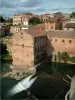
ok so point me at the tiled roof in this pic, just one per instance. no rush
(61, 34)
(70, 25)
(35, 32)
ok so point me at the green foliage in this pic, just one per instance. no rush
(72, 59)
(9, 20)
(3, 49)
(4, 54)
(34, 21)
(64, 56)
(59, 56)
(2, 19)
(72, 14)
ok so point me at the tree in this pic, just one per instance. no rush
(72, 14)
(59, 56)
(34, 21)
(2, 19)
(9, 20)
(64, 56)
(3, 49)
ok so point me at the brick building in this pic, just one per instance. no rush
(69, 25)
(45, 17)
(29, 47)
(53, 24)
(60, 41)
(33, 46)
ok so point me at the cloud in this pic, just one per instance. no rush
(10, 7)
(32, 3)
(20, 3)
(65, 8)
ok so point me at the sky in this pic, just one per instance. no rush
(10, 7)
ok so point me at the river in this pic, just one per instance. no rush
(48, 84)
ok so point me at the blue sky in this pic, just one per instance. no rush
(10, 7)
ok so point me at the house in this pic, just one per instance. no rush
(29, 47)
(69, 25)
(60, 41)
(20, 19)
(53, 24)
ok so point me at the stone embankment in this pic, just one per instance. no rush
(20, 72)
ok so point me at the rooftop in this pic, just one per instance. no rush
(35, 32)
(70, 25)
(61, 33)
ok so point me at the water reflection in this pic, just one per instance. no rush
(49, 83)
(5, 67)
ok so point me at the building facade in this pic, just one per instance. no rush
(22, 19)
(29, 47)
(53, 24)
(60, 41)
(69, 25)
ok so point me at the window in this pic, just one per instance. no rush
(38, 38)
(70, 41)
(50, 39)
(43, 46)
(51, 27)
(63, 40)
(35, 39)
(21, 33)
(22, 45)
(38, 49)
(55, 40)
(35, 50)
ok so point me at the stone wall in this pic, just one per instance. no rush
(55, 45)
(23, 50)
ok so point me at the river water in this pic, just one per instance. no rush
(48, 85)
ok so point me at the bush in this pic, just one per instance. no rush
(34, 21)
(72, 58)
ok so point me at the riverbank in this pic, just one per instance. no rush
(19, 72)
(15, 72)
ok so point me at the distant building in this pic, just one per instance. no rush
(53, 24)
(69, 25)
(22, 19)
(45, 17)
(15, 29)
(4, 29)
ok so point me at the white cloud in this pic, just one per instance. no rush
(10, 7)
